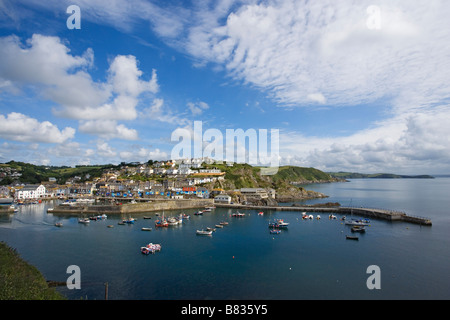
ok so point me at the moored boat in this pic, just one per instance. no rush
(278, 224)
(146, 229)
(275, 231)
(352, 222)
(204, 232)
(358, 229)
(238, 215)
(151, 248)
(161, 223)
(351, 238)
(85, 220)
(58, 224)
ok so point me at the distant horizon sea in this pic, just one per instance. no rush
(310, 260)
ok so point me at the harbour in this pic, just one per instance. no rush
(309, 259)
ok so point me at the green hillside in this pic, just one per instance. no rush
(34, 174)
(20, 280)
(356, 175)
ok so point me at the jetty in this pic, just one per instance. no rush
(129, 208)
(383, 214)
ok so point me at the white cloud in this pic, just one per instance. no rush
(19, 127)
(46, 64)
(197, 108)
(108, 129)
(404, 144)
(104, 150)
(143, 155)
(159, 111)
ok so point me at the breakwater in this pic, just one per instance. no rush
(129, 208)
(384, 214)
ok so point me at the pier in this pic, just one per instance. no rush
(129, 208)
(383, 214)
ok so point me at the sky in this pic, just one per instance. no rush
(349, 85)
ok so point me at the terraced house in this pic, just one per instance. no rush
(31, 192)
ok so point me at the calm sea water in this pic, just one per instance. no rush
(310, 260)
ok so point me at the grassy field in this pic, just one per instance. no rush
(20, 280)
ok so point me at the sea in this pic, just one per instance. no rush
(310, 260)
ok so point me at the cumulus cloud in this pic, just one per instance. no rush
(19, 127)
(108, 129)
(142, 154)
(197, 108)
(46, 64)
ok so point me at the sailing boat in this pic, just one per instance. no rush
(353, 222)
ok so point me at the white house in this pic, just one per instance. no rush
(222, 198)
(31, 192)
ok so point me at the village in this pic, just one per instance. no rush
(178, 179)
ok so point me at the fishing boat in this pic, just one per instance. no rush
(145, 217)
(358, 229)
(151, 248)
(351, 238)
(211, 229)
(172, 221)
(186, 216)
(110, 226)
(219, 226)
(146, 229)
(278, 224)
(198, 213)
(130, 221)
(207, 210)
(238, 215)
(58, 224)
(223, 223)
(260, 213)
(84, 220)
(204, 232)
(161, 223)
(353, 222)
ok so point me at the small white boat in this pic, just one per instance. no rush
(85, 220)
(146, 229)
(356, 223)
(204, 232)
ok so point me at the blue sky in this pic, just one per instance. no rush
(347, 88)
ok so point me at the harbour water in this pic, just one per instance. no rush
(241, 261)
